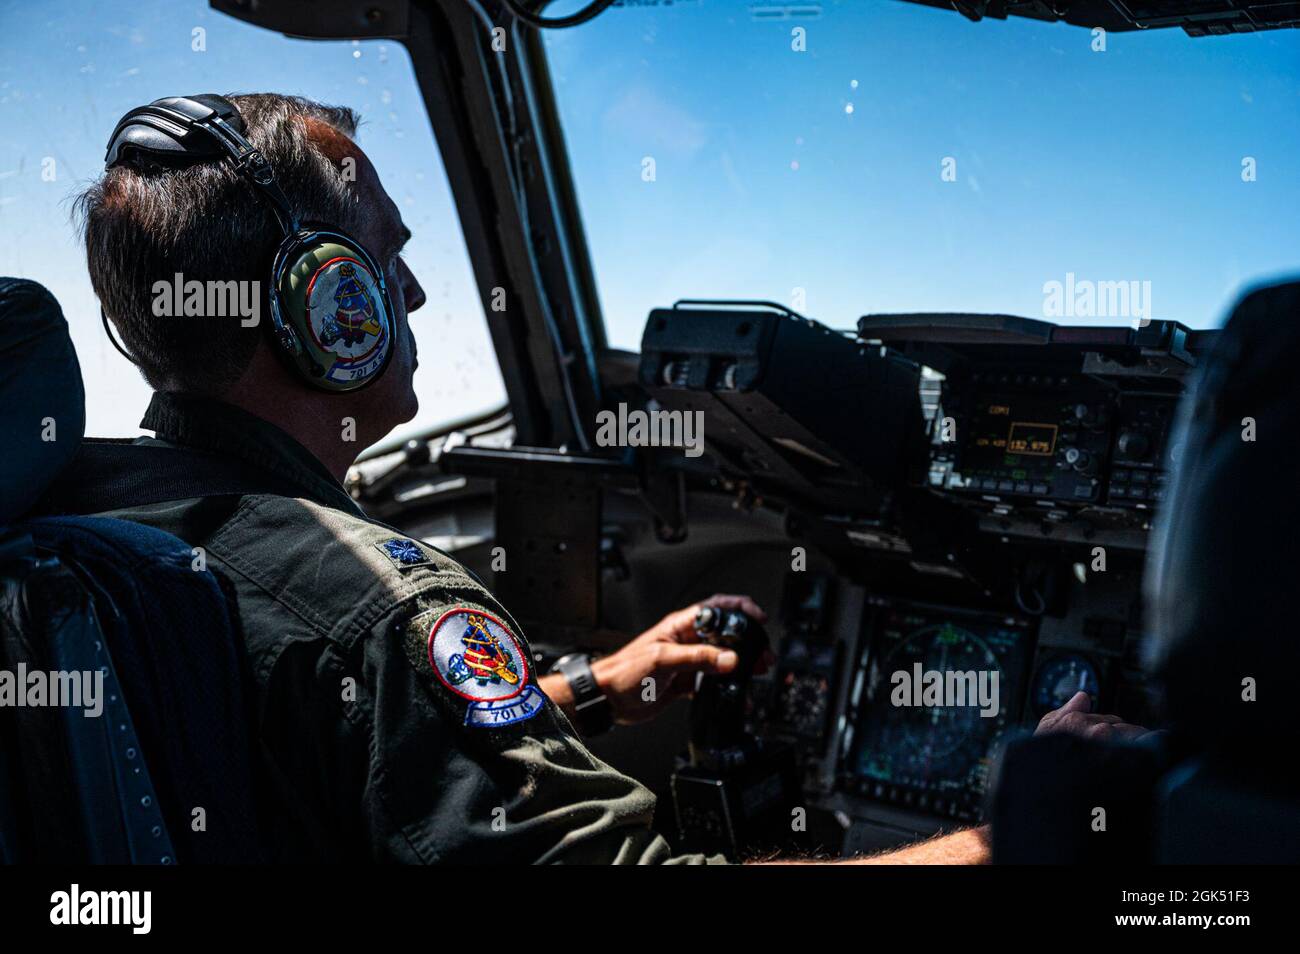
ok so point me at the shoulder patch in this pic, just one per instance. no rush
(476, 657)
(403, 553)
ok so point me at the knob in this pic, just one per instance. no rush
(1133, 445)
(1080, 460)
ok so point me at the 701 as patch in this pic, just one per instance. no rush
(477, 657)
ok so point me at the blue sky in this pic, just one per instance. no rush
(1122, 165)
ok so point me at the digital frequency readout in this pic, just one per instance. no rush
(1023, 437)
(1039, 439)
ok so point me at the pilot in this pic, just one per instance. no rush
(399, 714)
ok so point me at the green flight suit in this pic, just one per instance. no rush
(379, 738)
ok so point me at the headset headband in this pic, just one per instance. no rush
(179, 130)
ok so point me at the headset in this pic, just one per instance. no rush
(331, 315)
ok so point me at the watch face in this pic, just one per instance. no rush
(564, 660)
(577, 669)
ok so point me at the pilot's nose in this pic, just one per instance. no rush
(412, 291)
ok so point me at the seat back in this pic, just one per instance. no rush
(1221, 814)
(1061, 799)
(126, 734)
(1223, 562)
(75, 784)
(1220, 580)
(42, 401)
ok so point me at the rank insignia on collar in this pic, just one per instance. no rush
(476, 657)
(403, 553)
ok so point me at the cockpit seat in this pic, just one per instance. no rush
(1225, 558)
(42, 404)
(124, 733)
(1221, 588)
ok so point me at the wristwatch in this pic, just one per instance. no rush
(591, 710)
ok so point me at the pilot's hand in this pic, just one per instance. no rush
(1077, 718)
(659, 666)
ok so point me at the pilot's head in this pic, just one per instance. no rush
(145, 223)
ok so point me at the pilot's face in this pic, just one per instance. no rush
(391, 400)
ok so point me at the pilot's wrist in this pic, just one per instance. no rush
(556, 688)
(580, 694)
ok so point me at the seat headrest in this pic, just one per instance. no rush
(42, 401)
(1224, 564)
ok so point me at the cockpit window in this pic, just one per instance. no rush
(846, 158)
(112, 56)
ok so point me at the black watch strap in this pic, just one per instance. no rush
(592, 712)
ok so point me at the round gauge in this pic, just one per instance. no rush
(804, 699)
(1060, 678)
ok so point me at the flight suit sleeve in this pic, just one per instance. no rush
(470, 762)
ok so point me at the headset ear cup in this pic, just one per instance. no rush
(330, 309)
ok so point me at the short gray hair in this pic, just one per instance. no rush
(144, 222)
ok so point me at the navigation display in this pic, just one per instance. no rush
(940, 688)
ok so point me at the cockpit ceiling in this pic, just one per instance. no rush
(1196, 17)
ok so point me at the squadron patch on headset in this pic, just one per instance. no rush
(476, 657)
(404, 553)
(345, 317)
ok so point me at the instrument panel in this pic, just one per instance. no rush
(1059, 678)
(982, 487)
(1029, 435)
(1037, 421)
(899, 716)
(1060, 439)
(1142, 452)
(935, 691)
